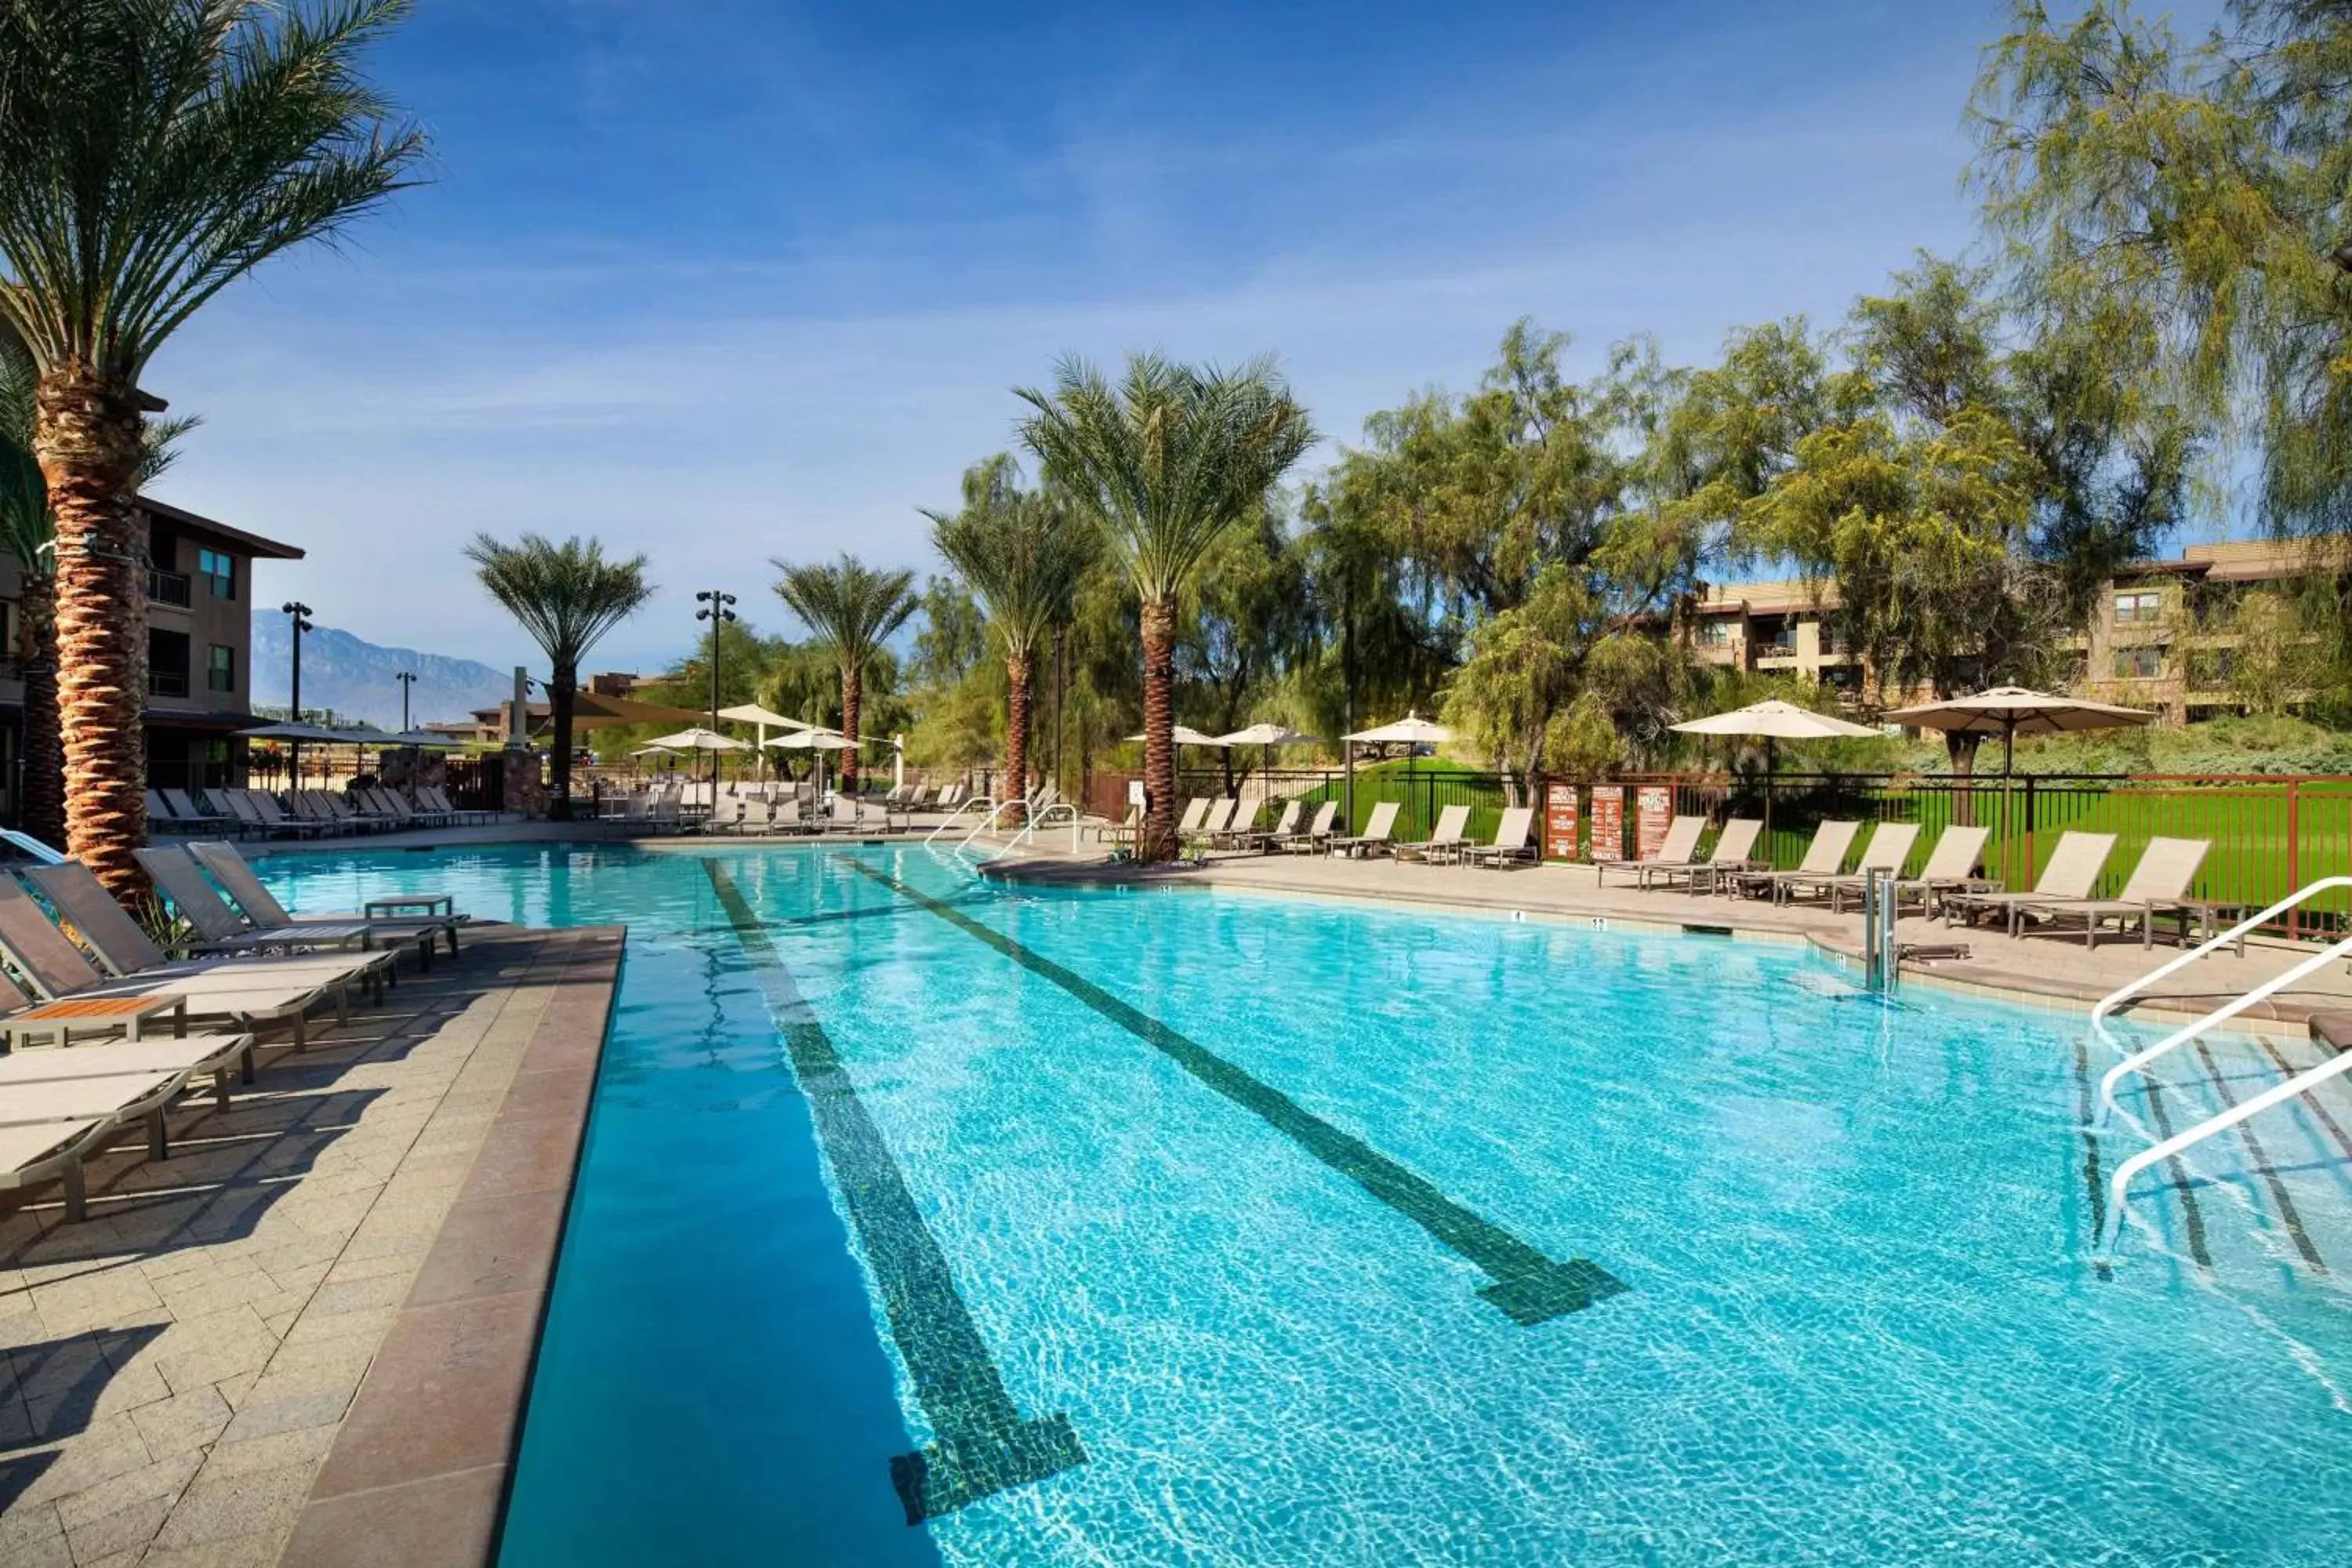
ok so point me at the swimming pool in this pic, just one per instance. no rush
(1105, 1227)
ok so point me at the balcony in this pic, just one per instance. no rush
(175, 588)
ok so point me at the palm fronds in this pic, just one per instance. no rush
(567, 596)
(854, 606)
(1022, 552)
(152, 151)
(1168, 459)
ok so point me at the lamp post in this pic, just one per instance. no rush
(407, 678)
(298, 614)
(714, 610)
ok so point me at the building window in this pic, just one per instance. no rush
(1715, 634)
(220, 668)
(218, 569)
(2138, 609)
(167, 663)
(2139, 663)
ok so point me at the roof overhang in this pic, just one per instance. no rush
(252, 544)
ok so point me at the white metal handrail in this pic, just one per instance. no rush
(1000, 807)
(1044, 818)
(2302, 1083)
(957, 815)
(2221, 1015)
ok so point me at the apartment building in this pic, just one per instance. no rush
(2162, 635)
(199, 651)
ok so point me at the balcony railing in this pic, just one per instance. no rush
(170, 588)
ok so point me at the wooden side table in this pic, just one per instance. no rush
(95, 1015)
(411, 903)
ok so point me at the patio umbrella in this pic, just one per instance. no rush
(2010, 711)
(698, 739)
(590, 711)
(427, 739)
(1411, 731)
(1772, 721)
(294, 734)
(814, 741)
(1184, 735)
(1268, 736)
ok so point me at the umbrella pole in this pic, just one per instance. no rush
(1771, 765)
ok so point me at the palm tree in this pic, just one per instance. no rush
(152, 151)
(567, 597)
(28, 532)
(1167, 459)
(1022, 553)
(855, 608)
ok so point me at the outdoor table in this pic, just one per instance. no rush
(2212, 915)
(95, 1015)
(427, 904)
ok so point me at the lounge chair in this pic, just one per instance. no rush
(248, 991)
(1511, 841)
(1824, 857)
(1674, 850)
(1317, 833)
(1218, 818)
(1951, 868)
(1444, 840)
(2159, 884)
(1734, 850)
(260, 906)
(220, 929)
(1889, 846)
(2074, 869)
(1378, 827)
(275, 820)
(437, 798)
(1262, 839)
(1121, 832)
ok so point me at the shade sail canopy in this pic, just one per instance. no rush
(297, 732)
(590, 711)
(367, 735)
(427, 738)
(752, 713)
(1267, 735)
(698, 740)
(1774, 720)
(2016, 711)
(1412, 729)
(812, 741)
(1185, 735)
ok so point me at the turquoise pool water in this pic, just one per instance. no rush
(1116, 1228)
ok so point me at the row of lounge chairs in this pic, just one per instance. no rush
(304, 812)
(1211, 825)
(81, 965)
(1948, 883)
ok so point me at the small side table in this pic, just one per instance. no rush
(411, 903)
(95, 1015)
(2212, 916)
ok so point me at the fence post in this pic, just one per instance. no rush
(2294, 855)
(2026, 880)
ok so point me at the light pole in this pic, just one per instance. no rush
(298, 614)
(407, 678)
(714, 610)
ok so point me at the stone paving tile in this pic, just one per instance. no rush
(175, 1370)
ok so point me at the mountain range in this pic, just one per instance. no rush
(354, 676)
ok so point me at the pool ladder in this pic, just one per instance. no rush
(2300, 1084)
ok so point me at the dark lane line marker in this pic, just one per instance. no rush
(1529, 1287)
(2310, 1103)
(2083, 1119)
(2192, 1218)
(984, 1444)
(2263, 1166)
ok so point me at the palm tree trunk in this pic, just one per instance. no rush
(563, 681)
(1016, 730)
(87, 439)
(1158, 840)
(44, 812)
(851, 689)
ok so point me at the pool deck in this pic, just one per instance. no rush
(2047, 970)
(309, 1331)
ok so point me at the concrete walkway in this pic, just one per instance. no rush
(174, 1369)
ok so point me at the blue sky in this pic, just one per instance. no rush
(721, 281)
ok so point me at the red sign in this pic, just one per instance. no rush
(1559, 822)
(1653, 811)
(1609, 821)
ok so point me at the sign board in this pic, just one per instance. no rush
(1653, 812)
(1609, 821)
(1559, 820)
(1135, 794)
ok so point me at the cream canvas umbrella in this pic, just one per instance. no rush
(1268, 736)
(1412, 732)
(815, 741)
(1184, 735)
(698, 739)
(2010, 711)
(1773, 722)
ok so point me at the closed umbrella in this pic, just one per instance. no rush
(1772, 721)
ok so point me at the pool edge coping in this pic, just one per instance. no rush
(404, 1482)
